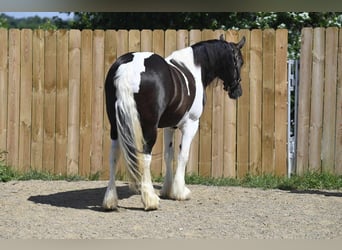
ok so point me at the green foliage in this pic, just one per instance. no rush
(293, 21)
(306, 182)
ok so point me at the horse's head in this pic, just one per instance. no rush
(231, 69)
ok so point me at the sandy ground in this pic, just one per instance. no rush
(72, 210)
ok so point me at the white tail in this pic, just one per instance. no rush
(129, 129)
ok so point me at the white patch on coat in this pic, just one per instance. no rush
(131, 72)
(186, 56)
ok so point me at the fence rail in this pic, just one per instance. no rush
(53, 114)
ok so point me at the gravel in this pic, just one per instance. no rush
(72, 210)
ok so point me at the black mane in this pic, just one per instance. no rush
(213, 57)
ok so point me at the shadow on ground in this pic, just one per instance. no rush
(83, 199)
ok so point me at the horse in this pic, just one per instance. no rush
(144, 92)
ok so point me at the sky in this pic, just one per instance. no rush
(40, 14)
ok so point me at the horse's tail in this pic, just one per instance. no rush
(129, 129)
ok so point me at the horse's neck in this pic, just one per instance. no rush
(186, 56)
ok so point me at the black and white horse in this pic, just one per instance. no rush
(145, 91)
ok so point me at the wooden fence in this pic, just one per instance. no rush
(319, 145)
(53, 114)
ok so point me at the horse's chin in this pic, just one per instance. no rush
(235, 94)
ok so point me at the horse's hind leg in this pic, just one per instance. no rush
(168, 157)
(148, 195)
(110, 200)
(179, 190)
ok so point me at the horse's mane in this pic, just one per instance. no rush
(212, 57)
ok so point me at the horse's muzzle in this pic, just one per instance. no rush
(235, 92)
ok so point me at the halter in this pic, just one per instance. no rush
(237, 78)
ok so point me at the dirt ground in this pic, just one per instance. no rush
(72, 210)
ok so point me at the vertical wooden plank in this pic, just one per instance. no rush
(242, 153)
(205, 127)
(13, 98)
(229, 156)
(268, 106)
(192, 168)
(122, 42)
(86, 101)
(110, 56)
(170, 41)
(255, 103)
(49, 101)
(146, 40)
(158, 43)
(316, 118)
(134, 41)
(25, 100)
(97, 100)
(329, 118)
(37, 100)
(122, 48)
(338, 140)
(281, 103)
(3, 88)
(62, 101)
(304, 101)
(74, 101)
(217, 123)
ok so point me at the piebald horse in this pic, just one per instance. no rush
(145, 92)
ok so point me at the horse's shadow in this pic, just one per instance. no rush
(82, 199)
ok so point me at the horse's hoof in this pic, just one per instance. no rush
(181, 194)
(151, 201)
(110, 201)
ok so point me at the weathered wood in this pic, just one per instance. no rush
(230, 126)
(86, 101)
(134, 41)
(13, 98)
(110, 57)
(74, 101)
(62, 101)
(146, 40)
(255, 102)
(338, 140)
(37, 100)
(70, 132)
(304, 101)
(316, 112)
(3, 88)
(49, 145)
(268, 109)
(280, 100)
(242, 153)
(329, 110)
(25, 100)
(97, 102)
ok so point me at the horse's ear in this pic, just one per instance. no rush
(241, 43)
(222, 37)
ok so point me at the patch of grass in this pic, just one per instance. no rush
(310, 180)
(9, 174)
(306, 182)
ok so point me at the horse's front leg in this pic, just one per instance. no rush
(110, 200)
(179, 191)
